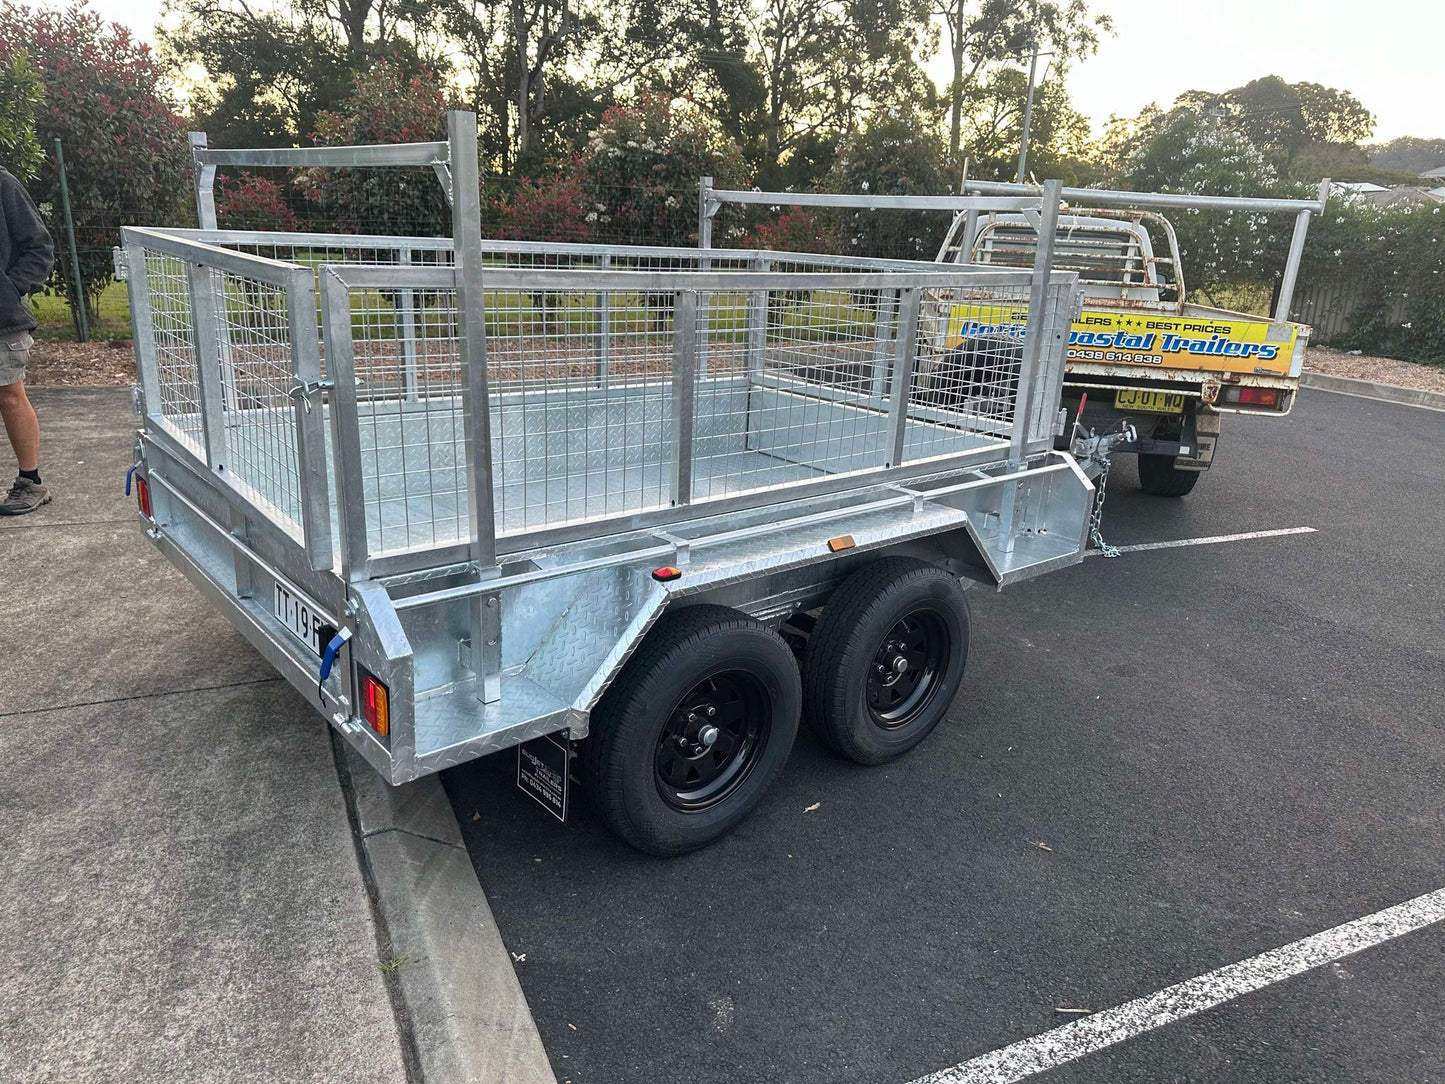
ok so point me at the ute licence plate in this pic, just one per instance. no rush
(1149, 402)
(304, 625)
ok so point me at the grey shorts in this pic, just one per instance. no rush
(14, 356)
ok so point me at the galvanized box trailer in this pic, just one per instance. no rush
(464, 494)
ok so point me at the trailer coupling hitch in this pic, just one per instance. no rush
(1094, 451)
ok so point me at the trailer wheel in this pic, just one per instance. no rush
(1159, 476)
(886, 659)
(693, 730)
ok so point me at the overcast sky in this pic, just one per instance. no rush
(1390, 55)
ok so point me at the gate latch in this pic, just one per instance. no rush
(302, 392)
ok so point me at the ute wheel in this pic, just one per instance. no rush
(687, 739)
(1159, 476)
(886, 659)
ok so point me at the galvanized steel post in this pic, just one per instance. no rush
(345, 427)
(486, 610)
(704, 213)
(905, 351)
(142, 327)
(207, 308)
(684, 385)
(757, 314)
(407, 300)
(1034, 330)
(310, 425)
(1291, 266)
(205, 177)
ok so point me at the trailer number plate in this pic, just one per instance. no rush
(1149, 402)
(304, 625)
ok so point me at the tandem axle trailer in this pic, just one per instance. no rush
(655, 503)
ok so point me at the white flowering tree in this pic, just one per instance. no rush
(1390, 264)
(641, 166)
(896, 153)
(1185, 152)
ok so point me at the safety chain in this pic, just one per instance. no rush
(1096, 535)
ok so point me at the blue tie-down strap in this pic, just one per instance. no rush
(128, 476)
(328, 659)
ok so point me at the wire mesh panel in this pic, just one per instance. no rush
(581, 404)
(173, 335)
(965, 387)
(254, 351)
(794, 387)
(406, 367)
(227, 356)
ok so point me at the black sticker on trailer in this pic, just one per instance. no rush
(542, 772)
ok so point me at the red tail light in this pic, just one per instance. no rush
(1258, 396)
(375, 703)
(143, 496)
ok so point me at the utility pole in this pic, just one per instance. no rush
(1028, 115)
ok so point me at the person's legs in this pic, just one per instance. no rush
(21, 425)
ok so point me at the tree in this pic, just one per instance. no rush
(385, 106)
(107, 101)
(993, 122)
(1276, 115)
(1282, 118)
(894, 153)
(785, 78)
(1408, 154)
(642, 166)
(984, 32)
(518, 53)
(1184, 152)
(271, 69)
(20, 96)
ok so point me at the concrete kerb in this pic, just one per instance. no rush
(1370, 389)
(462, 1008)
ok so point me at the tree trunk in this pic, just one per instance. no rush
(955, 122)
(524, 105)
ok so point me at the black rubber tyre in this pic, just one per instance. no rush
(652, 778)
(859, 698)
(1157, 475)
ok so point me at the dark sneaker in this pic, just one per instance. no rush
(25, 496)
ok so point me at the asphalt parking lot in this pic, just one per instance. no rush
(1159, 765)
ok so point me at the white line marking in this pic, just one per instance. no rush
(1103, 1029)
(1209, 540)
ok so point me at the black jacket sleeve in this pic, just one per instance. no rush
(31, 253)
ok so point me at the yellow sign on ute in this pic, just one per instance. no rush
(1106, 337)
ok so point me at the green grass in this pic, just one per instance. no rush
(374, 316)
(52, 315)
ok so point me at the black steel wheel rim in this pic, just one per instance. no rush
(908, 668)
(712, 740)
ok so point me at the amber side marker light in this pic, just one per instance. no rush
(842, 542)
(665, 573)
(375, 703)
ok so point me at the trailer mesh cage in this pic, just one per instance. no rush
(621, 382)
